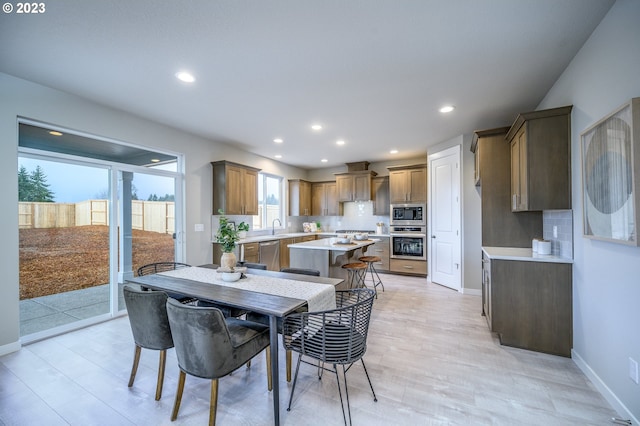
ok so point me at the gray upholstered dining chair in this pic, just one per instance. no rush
(336, 337)
(302, 271)
(150, 327)
(210, 346)
(154, 268)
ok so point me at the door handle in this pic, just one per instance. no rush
(433, 236)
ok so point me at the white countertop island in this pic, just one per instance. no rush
(326, 255)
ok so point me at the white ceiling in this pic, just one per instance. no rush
(373, 73)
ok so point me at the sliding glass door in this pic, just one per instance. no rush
(91, 212)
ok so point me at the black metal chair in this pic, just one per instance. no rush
(263, 319)
(302, 271)
(336, 337)
(150, 327)
(210, 346)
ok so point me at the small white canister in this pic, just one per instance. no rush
(534, 245)
(544, 247)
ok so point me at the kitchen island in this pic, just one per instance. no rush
(327, 255)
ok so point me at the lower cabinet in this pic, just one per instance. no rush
(529, 304)
(404, 266)
(380, 249)
(284, 249)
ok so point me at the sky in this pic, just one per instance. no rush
(72, 183)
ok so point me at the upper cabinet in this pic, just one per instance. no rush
(299, 197)
(324, 199)
(380, 191)
(408, 184)
(541, 160)
(235, 188)
(354, 186)
(500, 226)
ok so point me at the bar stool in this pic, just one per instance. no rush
(375, 280)
(355, 274)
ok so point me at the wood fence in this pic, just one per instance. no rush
(155, 216)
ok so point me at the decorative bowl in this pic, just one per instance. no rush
(344, 240)
(231, 276)
(361, 237)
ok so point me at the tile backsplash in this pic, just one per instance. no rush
(562, 220)
(356, 216)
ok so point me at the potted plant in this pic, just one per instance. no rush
(227, 236)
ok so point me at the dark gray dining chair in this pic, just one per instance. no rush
(150, 327)
(210, 346)
(337, 337)
(301, 271)
(154, 268)
(251, 265)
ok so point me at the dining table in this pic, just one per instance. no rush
(271, 293)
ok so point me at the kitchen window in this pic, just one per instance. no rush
(270, 201)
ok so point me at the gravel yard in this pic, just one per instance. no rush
(56, 260)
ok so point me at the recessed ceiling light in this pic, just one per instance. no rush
(278, 140)
(185, 76)
(393, 151)
(316, 127)
(340, 142)
(447, 108)
(324, 160)
(278, 156)
(155, 160)
(54, 133)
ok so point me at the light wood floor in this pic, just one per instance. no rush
(430, 356)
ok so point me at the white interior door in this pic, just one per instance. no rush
(444, 218)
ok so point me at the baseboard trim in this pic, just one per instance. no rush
(607, 393)
(472, 291)
(11, 347)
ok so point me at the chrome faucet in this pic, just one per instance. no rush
(273, 226)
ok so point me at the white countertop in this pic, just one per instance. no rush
(331, 244)
(519, 253)
(269, 237)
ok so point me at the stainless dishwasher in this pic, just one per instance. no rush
(270, 254)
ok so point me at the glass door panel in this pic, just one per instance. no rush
(64, 243)
(148, 222)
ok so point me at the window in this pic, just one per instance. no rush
(270, 205)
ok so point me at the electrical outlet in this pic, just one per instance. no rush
(199, 227)
(633, 370)
(555, 231)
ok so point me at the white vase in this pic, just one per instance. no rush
(228, 260)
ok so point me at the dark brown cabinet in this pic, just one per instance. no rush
(235, 188)
(540, 151)
(299, 197)
(529, 304)
(408, 184)
(500, 226)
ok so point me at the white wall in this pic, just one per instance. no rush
(25, 99)
(606, 276)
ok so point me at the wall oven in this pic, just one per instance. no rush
(408, 242)
(408, 214)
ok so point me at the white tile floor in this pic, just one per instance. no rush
(430, 355)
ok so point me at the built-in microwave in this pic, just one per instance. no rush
(408, 214)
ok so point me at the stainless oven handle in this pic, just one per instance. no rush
(408, 234)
